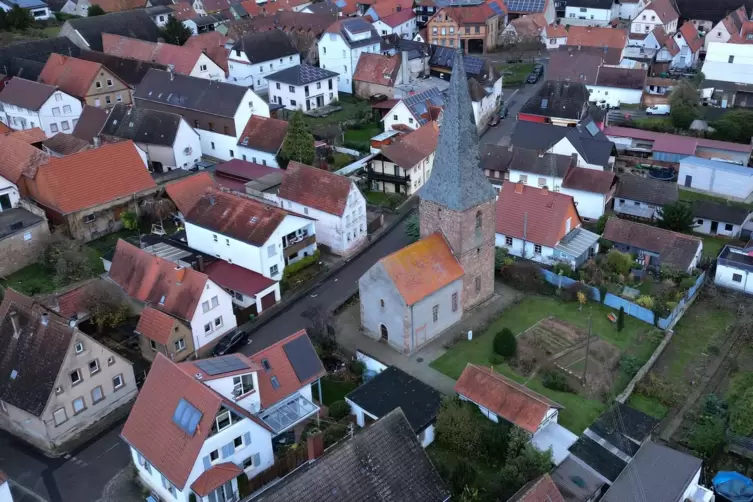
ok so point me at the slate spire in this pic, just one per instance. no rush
(457, 181)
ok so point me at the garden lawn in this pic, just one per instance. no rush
(350, 107)
(384, 199)
(690, 196)
(359, 139)
(333, 390)
(35, 279)
(518, 73)
(712, 245)
(105, 244)
(579, 411)
(648, 405)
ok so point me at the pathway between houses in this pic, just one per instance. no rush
(349, 335)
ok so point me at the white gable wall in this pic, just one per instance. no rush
(336, 55)
(9, 189)
(564, 147)
(400, 114)
(242, 72)
(223, 311)
(59, 113)
(208, 69)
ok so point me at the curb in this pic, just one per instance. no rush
(285, 305)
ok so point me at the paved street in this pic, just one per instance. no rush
(79, 477)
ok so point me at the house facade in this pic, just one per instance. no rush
(334, 201)
(713, 218)
(303, 87)
(26, 104)
(341, 46)
(401, 23)
(617, 86)
(164, 334)
(249, 233)
(90, 82)
(258, 55)
(716, 177)
(643, 198)
(221, 416)
(178, 291)
(57, 381)
(472, 28)
(734, 269)
(591, 12)
(656, 13)
(726, 28)
(217, 111)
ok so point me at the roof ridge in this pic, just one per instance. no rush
(511, 383)
(297, 333)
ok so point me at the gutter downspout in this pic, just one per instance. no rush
(412, 330)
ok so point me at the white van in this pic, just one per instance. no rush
(658, 110)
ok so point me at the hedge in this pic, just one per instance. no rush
(306, 262)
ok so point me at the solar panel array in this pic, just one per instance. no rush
(497, 8)
(357, 25)
(313, 73)
(525, 5)
(417, 103)
(221, 365)
(303, 358)
(444, 56)
(187, 417)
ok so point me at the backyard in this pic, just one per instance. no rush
(359, 139)
(351, 108)
(558, 330)
(515, 75)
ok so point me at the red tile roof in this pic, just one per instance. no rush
(4, 129)
(150, 429)
(377, 69)
(588, 36)
(183, 12)
(387, 7)
(243, 169)
(238, 217)
(536, 214)
(530, 25)
(396, 19)
(556, 31)
(589, 180)
(215, 477)
(508, 399)
(183, 58)
(281, 368)
(120, 5)
(475, 14)
(664, 9)
(674, 143)
(71, 75)
(155, 325)
(422, 268)
(150, 279)
(187, 191)
(19, 158)
(90, 178)
(691, 36)
(542, 489)
(70, 300)
(242, 280)
(263, 134)
(29, 136)
(414, 146)
(213, 42)
(316, 188)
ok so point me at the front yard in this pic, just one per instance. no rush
(635, 342)
(515, 75)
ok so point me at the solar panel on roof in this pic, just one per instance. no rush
(592, 128)
(303, 358)
(220, 365)
(525, 5)
(497, 8)
(187, 417)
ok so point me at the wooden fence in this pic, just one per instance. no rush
(281, 467)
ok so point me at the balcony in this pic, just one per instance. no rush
(297, 244)
(394, 178)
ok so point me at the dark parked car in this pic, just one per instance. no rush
(230, 342)
(533, 78)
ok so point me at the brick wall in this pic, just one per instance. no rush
(16, 251)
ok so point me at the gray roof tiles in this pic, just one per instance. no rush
(650, 191)
(133, 24)
(301, 74)
(594, 146)
(717, 211)
(457, 181)
(266, 45)
(142, 125)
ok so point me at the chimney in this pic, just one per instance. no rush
(16, 326)
(45, 318)
(574, 160)
(180, 273)
(519, 187)
(545, 190)
(96, 141)
(315, 444)
(404, 67)
(201, 263)
(541, 154)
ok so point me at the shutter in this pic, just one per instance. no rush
(247, 438)
(164, 482)
(228, 450)
(212, 496)
(207, 462)
(257, 459)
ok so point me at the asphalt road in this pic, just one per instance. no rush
(80, 476)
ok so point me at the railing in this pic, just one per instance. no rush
(374, 175)
(301, 244)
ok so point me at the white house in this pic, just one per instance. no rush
(656, 13)
(166, 138)
(628, 9)
(182, 292)
(251, 292)
(257, 55)
(714, 218)
(261, 140)
(591, 12)
(618, 86)
(716, 177)
(8, 195)
(25, 104)
(160, 14)
(542, 225)
(393, 388)
(500, 398)
(401, 23)
(217, 111)
(728, 27)
(38, 9)
(5, 495)
(685, 51)
(249, 233)
(414, 111)
(734, 269)
(729, 63)
(197, 426)
(334, 201)
(554, 35)
(303, 87)
(343, 43)
(639, 197)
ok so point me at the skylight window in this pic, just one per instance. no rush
(187, 417)
(592, 128)
(275, 382)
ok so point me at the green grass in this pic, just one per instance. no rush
(518, 76)
(359, 139)
(105, 244)
(334, 390)
(658, 124)
(712, 245)
(579, 412)
(384, 199)
(351, 107)
(690, 196)
(648, 405)
(35, 279)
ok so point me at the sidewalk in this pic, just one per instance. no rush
(350, 336)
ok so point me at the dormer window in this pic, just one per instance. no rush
(243, 384)
(265, 364)
(223, 421)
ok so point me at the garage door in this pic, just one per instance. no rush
(267, 301)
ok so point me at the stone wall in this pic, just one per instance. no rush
(23, 247)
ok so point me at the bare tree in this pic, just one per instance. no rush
(106, 304)
(68, 261)
(158, 208)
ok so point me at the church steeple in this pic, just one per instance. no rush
(457, 182)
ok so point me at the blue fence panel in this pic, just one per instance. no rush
(631, 308)
(562, 282)
(697, 285)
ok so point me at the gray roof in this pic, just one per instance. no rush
(158, 9)
(457, 181)
(357, 25)
(648, 190)
(132, 24)
(142, 125)
(26, 93)
(558, 99)
(35, 50)
(655, 473)
(130, 71)
(716, 211)
(266, 45)
(589, 141)
(576, 482)
(15, 220)
(90, 123)
(596, 456)
(624, 427)
(301, 74)
(384, 462)
(418, 104)
(192, 93)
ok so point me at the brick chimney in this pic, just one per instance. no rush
(545, 190)
(519, 187)
(315, 444)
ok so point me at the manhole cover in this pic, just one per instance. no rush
(420, 359)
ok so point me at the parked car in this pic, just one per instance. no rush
(538, 68)
(658, 110)
(533, 78)
(230, 342)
